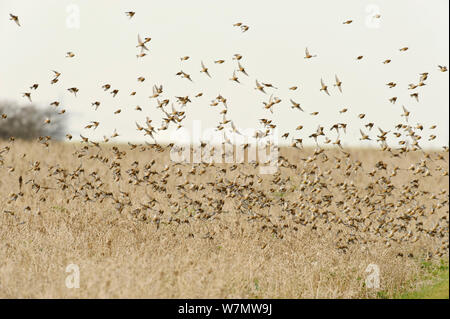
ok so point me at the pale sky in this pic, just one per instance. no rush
(272, 49)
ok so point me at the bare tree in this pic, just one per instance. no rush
(29, 121)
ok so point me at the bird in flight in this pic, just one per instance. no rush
(73, 90)
(338, 83)
(130, 14)
(15, 19)
(296, 105)
(204, 70)
(241, 69)
(244, 28)
(364, 136)
(234, 77)
(141, 44)
(27, 95)
(405, 113)
(308, 55)
(259, 87)
(324, 87)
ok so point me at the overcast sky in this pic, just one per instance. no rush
(273, 52)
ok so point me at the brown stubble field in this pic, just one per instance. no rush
(221, 231)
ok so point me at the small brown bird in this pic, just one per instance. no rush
(308, 55)
(219, 61)
(387, 61)
(130, 14)
(237, 57)
(391, 84)
(324, 87)
(57, 74)
(423, 77)
(234, 78)
(244, 28)
(259, 87)
(141, 44)
(34, 87)
(348, 22)
(359, 57)
(27, 95)
(338, 83)
(364, 136)
(442, 68)
(269, 85)
(96, 104)
(403, 49)
(296, 105)
(73, 90)
(405, 113)
(241, 69)
(15, 19)
(204, 70)
(70, 54)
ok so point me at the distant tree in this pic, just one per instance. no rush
(29, 121)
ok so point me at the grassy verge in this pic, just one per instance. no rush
(434, 284)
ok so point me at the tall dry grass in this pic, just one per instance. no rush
(124, 252)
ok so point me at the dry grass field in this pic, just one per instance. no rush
(139, 226)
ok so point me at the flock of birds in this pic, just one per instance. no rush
(386, 203)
